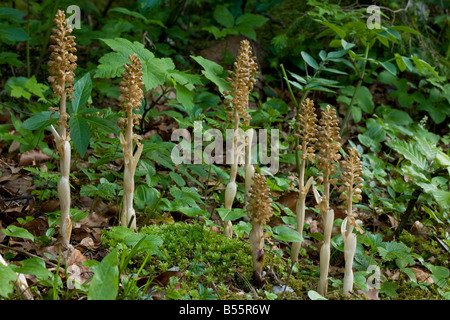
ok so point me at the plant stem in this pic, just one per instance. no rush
(358, 85)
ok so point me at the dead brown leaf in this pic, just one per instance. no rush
(32, 158)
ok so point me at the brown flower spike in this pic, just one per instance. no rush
(129, 100)
(259, 210)
(350, 190)
(242, 81)
(62, 58)
(351, 182)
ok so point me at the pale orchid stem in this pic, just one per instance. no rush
(349, 254)
(328, 218)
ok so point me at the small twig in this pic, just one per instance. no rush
(215, 289)
(287, 280)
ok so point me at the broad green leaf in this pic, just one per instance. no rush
(40, 120)
(145, 196)
(309, 60)
(79, 133)
(13, 34)
(398, 117)
(286, 234)
(185, 97)
(83, 89)
(231, 214)
(105, 282)
(251, 20)
(102, 123)
(191, 212)
(7, 279)
(154, 69)
(364, 99)
(19, 232)
(389, 67)
(12, 14)
(223, 16)
(339, 31)
(406, 29)
(35, 266)
(214, 73)
(410, 152)
(138, 15)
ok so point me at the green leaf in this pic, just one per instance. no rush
(7, 278)
(223, 16)
(79, 133)
(191, 212)
(40, 120)
(309, 60)
(11, 14)
(154, 69)
(398, 117)
(137, 15)
(83, 89)
(35, 266)
(109, 126)
(19, 232)
(406, 29)
(13, 34)
(389, 67)
(339, 31)
(145, 196)
(231, 214)
(410, 152)
(251, 20)
(214, 72)
(185, 97)
(286, 234)
(364, 99)
(390, 289)
(105, 282)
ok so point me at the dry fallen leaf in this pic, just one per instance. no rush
(371, 294)
(32, 158)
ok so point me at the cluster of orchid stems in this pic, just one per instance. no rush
(130, 100)
(61, 68)
(259, 210)
(241, 82)
(320, 143)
